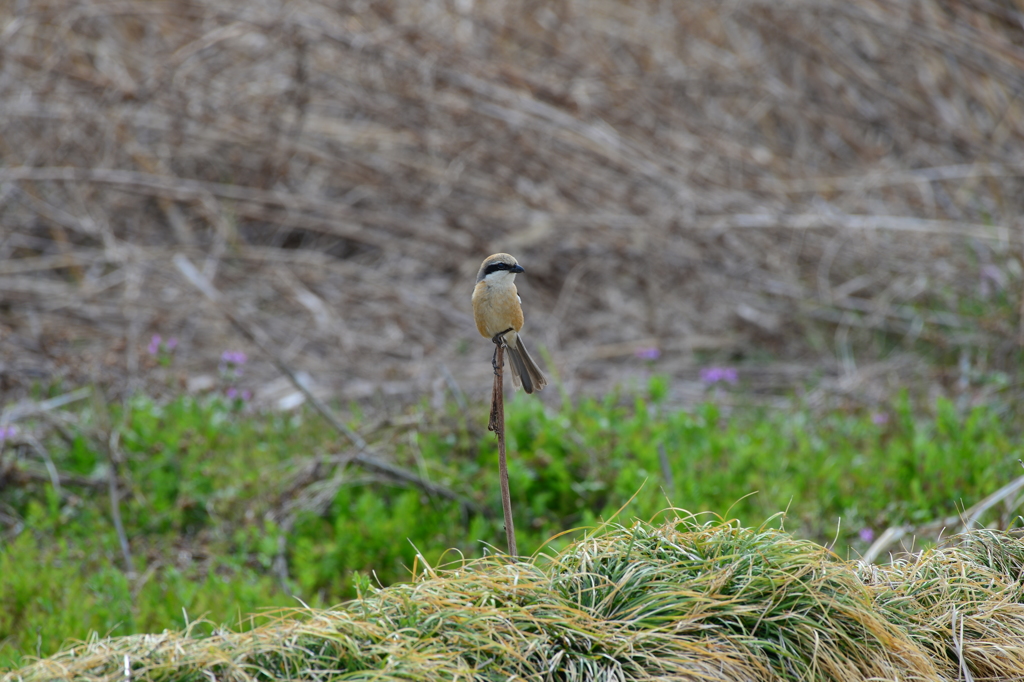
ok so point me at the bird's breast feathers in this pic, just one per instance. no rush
(496, 308)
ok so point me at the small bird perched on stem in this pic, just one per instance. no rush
(498, 312)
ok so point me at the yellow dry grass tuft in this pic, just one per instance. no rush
(683, 600)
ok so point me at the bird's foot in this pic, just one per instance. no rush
(500, 336)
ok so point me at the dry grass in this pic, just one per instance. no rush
(684, 601)
(821, 183)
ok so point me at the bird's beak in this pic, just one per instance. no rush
(516, 269)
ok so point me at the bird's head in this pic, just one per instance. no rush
(498, 267)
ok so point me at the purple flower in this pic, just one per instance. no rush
(234, 394)
(714, 375)
(156, 344)
(879, 418)
(231, 362)
(866, 534)
(233, 357)
(7, 432)
(650, 353)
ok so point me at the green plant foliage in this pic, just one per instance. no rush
(227, 511)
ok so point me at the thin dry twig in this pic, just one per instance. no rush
(496, 423)
(114, 459)
(966, 521)
(364, 455)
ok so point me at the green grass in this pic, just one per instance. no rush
(227, 513)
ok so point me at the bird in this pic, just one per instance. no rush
(498, 312)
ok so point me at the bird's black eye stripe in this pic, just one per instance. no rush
(494, 267)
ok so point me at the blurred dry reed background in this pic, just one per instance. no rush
(807, 189)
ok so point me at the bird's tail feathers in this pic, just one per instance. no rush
(525, 371)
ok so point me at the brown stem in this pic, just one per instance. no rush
(497, 424)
